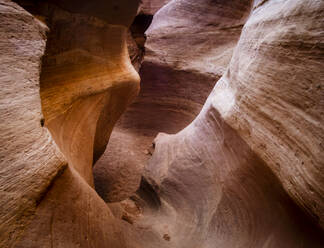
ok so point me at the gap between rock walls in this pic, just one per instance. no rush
(161, 123)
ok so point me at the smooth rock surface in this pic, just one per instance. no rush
(275, 86)
(86, 82)
(150, 7)
(188, 47)
(248, 171)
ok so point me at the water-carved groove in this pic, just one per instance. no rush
(187, 165)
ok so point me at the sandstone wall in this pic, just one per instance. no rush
(29, 159)
(242, 169)
(247, 172)
(84, 84)
(188, 47)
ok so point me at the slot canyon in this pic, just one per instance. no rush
(162, 123)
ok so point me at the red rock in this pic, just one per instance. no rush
(243, 168)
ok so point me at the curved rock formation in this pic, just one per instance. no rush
(28, 156)
(237, 176)
(246, 172)
(188, 47)
(136, 37)
(150, 7)
(86, 82)
(276, 96)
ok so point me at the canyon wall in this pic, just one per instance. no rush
(188, 47)
(80, 89)
(248, 171)
(236, 164)
(150, 7)
(30, 160)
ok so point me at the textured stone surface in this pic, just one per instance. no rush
(188, 47)
(248, 171)
(29, 159)
(86, 82)
(136, 37)
(276, 97)
(150, 7)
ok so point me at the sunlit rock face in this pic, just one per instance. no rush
(187, 48)
(85, 82)
(92, 64)
(118, 172)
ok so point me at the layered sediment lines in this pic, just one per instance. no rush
(187, 49)
(276, 83)
(247, 172)
(243, 168)
(29, 159)
(86, 82)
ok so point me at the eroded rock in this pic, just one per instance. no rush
(29, 159)
(188, 47)
(86, 82)
(247, 171)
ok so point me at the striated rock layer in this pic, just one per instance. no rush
(248, 171)
(86, 82)
(188, 47)
(29, 159)
(276, 97)
(150, 7)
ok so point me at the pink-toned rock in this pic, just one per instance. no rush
(272, 94)
(248, 171)
(150, 7)
(188, 47)
(86, 82)
(29, 159)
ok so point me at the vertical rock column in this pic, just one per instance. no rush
(248, 171)
(86, 82)
(29, 159)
